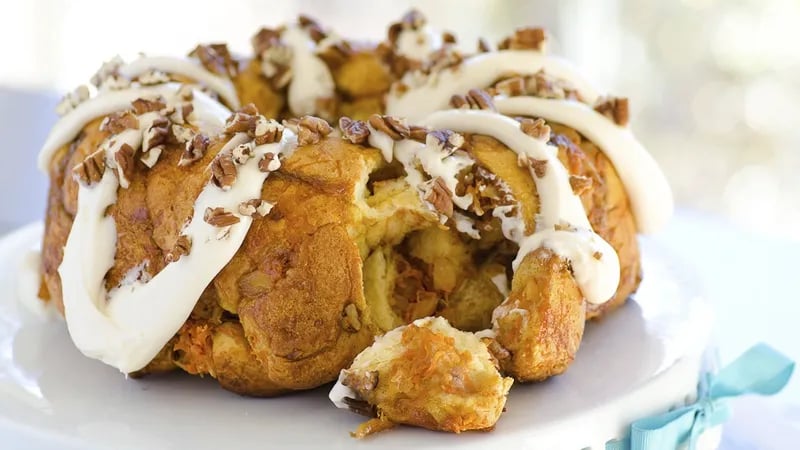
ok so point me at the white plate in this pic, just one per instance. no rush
(639, 361)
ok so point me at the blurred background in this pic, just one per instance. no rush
(714, 84)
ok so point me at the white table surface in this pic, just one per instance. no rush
(753, 281)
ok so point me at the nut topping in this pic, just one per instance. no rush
(440, 197)
(242, 152)
(217, 59)
(183, 246)
(351, 323)
(539, 166)
(580, 184)
(355, 131)
(156, 135)
(475, 99)
(91, 170)
(395, 128)
(72, 100)
(483, 46)
(269, 163)
(446, 140)
(537, 129)
(153, 77)
(267, 131)
(194, 150)
(525, 39)
(311, 130)
(412, 20)
(511, 87)
(182, 134)
(144, 105)
(255, 208)
(615, 108)
(223, 171)
(124, 160)
(120, 121)
(220, 217)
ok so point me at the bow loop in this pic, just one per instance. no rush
(760, 370)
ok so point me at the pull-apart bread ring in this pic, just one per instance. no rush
(466, 214)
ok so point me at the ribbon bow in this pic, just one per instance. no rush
(760, 370)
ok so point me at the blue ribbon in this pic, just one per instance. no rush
(760, 370)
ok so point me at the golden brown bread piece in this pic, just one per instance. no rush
(429, 375)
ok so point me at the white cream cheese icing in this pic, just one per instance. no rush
(127, 327)
(647, 188)
(478, 71)
(598, 278)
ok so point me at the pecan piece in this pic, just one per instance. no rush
(144, 105)
(217, 59)
(120, 121)
(350, 321)
(447, 140)
(255, 208)
(183, 246)
(395, 128)
(223, 171)
(525, 39)
(511, 87)
(124, 160)
(580, 184)
(537, 129)
(412, 20)
(158, 134)
(355, 131)
(440, 197)
(91, 170)
(269, 163)
(220, 217)
(267, 131)
(311, 130)
(615, 108)
(539, 166)
(195, 149)
(475, 99)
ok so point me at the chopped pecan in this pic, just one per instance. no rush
(580, 184)
(72, 100)
(151, 157)
(157, 134)
(361, 407)
(186, 92)
(276, 65)
(615, 108)
(265, 39)
(223, 171)
(563, 226)
(511, 87)
(182, 113)
(475, 99)
(418, 133)
(311, 26)
(362, 382)
(447, 140)
(525, 39)
(242, 152)
(217, 59)
(355, 131)
(394, 127)
(220, 217)
(182, 134)
(255, 208)
(542, 84)
(124, 160)
(537, 129)
(183, 246)
(144, 105)
(91, 170)
(269, 163)
(598, 255)
(120, 121)
(267, 131)
(440, 197)
(311, 130)
(539, 166)
(448, 38)
(195, 149)
(412, 20)
(350, 321)
(240, 122)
